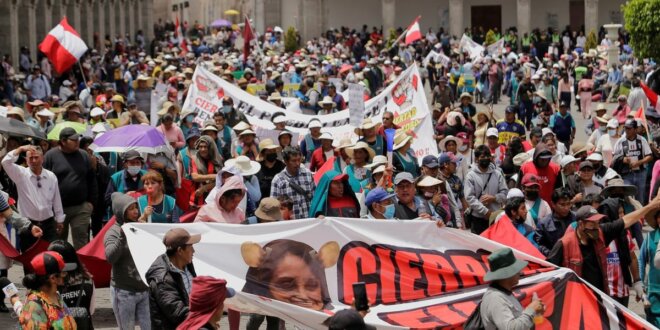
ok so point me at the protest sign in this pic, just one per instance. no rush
(417, 275)
(496, 48)
(405, 97)
(356, 104)
(470, 46)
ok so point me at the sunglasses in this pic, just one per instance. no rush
(38, 182)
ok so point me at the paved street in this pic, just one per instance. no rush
(104, 318)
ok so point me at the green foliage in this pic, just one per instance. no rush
(391, 38)
(490, 37)
(290, 40)
(643, 24)
(592, 41)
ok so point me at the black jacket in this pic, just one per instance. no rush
(168, 299)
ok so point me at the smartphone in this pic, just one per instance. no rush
(360, 296)
(10, 290)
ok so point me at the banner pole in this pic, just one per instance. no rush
(82, 72)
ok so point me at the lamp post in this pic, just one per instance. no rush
(612, 50)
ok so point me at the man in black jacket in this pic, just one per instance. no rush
(170, 280)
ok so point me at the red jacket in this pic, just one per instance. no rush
(318, 159)
(573, 256)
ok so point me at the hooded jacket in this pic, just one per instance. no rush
(478, 183)
(168, 298)
(319, 204)
(124, 273)
(215, 213)
(610, 208)
(546, 176)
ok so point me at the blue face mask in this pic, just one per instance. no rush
(226, 108)
(190, 118)
(389, 212)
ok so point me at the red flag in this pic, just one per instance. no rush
(248, 35)
(652, 96)
(504, 232)
(10, 252)
(413, 33)
(181, 38)
(329, 164)
(63, 46)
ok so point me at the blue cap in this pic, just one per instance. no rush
(376, 196)
(430, 161)
(511, 109)
(447, 157)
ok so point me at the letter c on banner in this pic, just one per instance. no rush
(357, 263)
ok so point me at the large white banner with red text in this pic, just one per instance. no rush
(416, 275)
(405, 97)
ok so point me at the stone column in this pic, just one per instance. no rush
(75, 7)
(110, 22)
(122, 17)
(131, 18)
(13, 31)
(260, 16)
(456, 18)
(31, 6)
(44, 18)
(88, 12)
(100, 23)
(389, 15)
(524, 11)
(591, 16)
(147, 18)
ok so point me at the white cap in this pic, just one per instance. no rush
(613, 123)
(97, 112)
(45, 113)
(66, 83)
(99, 128)
(492, 132)
(325, 136)
(279, 119)
(567, 160)
(545, 131)
(596, 157)
(514, 192)
(314, 123)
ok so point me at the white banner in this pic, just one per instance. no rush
(497, 48)
(437, 58)
(469, 45)
(356, 104)
(416, 275)
(405, 97)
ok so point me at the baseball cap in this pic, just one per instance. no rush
(630, 123)
(545, 131)
(69, 133)
(563, 104)
(514, 192)
(376, 196)
(530, 179)
(510, 109)
(492, 132)
(430, 161)
(348, 319)
(596, 157)
(588, 213)
(447, 157)
(131, 154)
(403, 176)
(178, 237)
(50, 262)
(586, 164)
(567, 160)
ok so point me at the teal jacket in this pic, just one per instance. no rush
(319, 205)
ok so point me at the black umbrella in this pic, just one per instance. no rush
(18, 128)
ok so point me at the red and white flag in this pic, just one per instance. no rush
(63, 46)
(181, 38)
(413, 33)
(248, 35)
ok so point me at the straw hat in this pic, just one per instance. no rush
(118, 98)
(342, 144)
(350, 151)
(16, 111)
(601, 107)
(618, 183)
(429, 181)
(400, 139)
(275, 96)
(327, 100)
(241, 126)
(378, 160)
(468, 95)
(269, 209)
(244, 164)
(246, 132)
(443, 143)
(453, 117)
(367, 123)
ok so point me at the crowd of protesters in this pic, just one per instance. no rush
(573, 200)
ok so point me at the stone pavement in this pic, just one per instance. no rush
(104, 317)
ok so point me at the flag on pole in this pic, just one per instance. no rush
(180, 37)
(413, 33)
(642, 117)
(650, 94)
(63, 46)
(248, 35)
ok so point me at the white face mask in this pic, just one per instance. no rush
(462, 148)
(612, 132)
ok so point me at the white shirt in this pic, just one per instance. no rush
(35, 203)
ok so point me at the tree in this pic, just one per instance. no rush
(490, 37)
(592, 41)
(642, 23)
(291, 40)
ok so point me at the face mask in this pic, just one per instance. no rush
(226, 108)
(484, 162)
(602, 129)
(592, 234)
(428, 194)
(190, 118)
(133, 170)
(462, 148)
(389, 212)
(532, 195)
(271, 157)
(612, 132)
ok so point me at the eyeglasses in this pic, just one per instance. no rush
(38, 182)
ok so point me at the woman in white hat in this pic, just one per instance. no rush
(361, 155)
(247, 145)
(404, 159)
(327, 106)
(605, 144)
(483, 121)
(322, 154)
(431, 192)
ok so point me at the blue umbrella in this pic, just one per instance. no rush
(218, 23)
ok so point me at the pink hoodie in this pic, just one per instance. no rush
(215, 213)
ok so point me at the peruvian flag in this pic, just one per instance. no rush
(181, 38)
(413, 32)
(248, 35)
(63, 46)
(650, 94)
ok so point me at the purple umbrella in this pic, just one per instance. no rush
(142, 138)
(218, 23)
